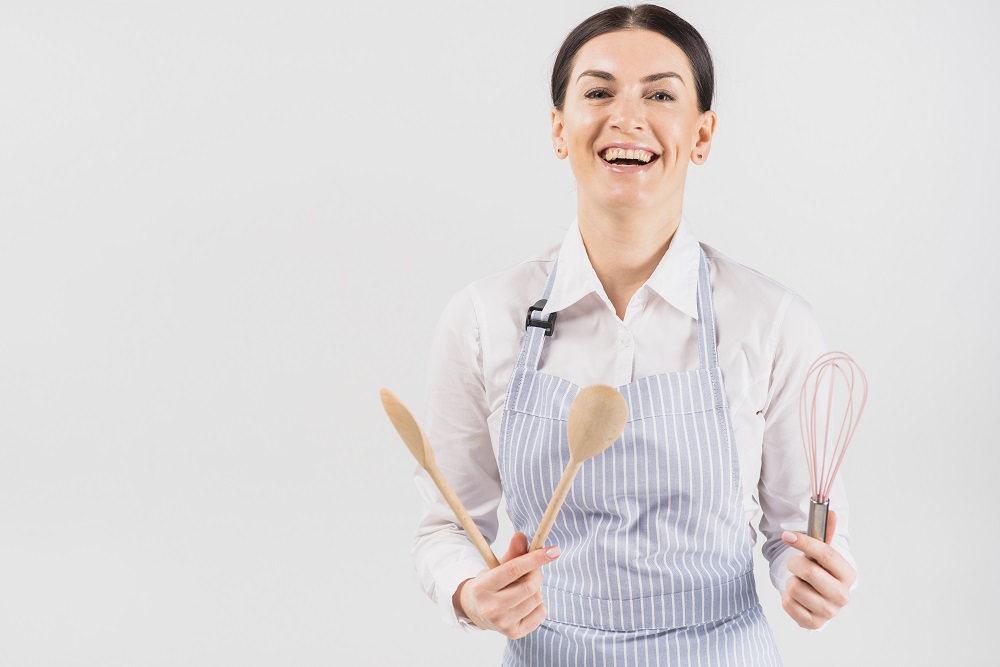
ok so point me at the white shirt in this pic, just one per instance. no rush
(767, 338)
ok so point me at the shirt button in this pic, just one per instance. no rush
(626, 341)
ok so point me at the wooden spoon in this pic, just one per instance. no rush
(416, 442)
(597, 417)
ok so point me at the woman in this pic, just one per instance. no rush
(650, 560)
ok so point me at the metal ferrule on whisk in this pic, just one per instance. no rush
(817, 519)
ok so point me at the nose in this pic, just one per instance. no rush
(628, 114)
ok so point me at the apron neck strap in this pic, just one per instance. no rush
(708, 356)
(534, 337)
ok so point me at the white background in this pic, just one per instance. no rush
(225, 225)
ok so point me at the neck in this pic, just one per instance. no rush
(625, 246)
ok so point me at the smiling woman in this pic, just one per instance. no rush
(651, 559)
(631, 91)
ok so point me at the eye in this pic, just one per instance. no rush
(662, 96)
(598, 94)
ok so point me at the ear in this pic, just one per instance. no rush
(703, 138)
(558, 142)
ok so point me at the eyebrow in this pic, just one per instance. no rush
(607, 76)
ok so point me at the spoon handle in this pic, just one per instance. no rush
(552, 511)
(462, 515)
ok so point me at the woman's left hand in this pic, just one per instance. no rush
(818, 588)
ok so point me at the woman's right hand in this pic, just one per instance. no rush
(507, 598)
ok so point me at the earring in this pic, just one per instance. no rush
(559, 151)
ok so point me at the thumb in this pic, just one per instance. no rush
(831, 525)
(518, 547)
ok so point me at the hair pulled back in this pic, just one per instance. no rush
(643, 17)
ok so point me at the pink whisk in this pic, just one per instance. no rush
(833, 398)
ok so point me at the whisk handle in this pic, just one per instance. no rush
(817, 519)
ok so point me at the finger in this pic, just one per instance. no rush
(519, 590)
(824, 583)
(831, 525)
(525, 608)
(530, 622)
(822, 553)
(518, 547)
(819, 606)
(514, 569)
(799, 614)
(502, 612)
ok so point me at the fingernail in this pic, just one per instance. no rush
(789, 536)
(553, 552)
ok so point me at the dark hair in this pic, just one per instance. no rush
(642, 17)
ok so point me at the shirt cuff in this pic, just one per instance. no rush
(445, 585)
(779, 569)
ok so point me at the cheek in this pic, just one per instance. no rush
(677, 134)
(583, 142)
(583, 129)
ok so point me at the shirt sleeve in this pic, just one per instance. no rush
(784, 488)
(457, 428)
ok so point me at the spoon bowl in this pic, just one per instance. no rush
(597, 417)
(407, 427)
(416, 441)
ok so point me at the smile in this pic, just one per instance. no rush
(627, 160)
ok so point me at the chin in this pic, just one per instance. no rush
(629, 200)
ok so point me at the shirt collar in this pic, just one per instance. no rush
(675, 278)
(575, 276)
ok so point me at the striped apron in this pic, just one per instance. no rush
(656, 565)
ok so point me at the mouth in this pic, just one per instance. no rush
(627, 159)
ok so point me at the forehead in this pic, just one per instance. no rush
(631, 54)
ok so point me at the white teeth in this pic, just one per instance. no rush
(615, 153)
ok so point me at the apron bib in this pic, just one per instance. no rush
(656, 565)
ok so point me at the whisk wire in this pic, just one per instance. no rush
(832, 370)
